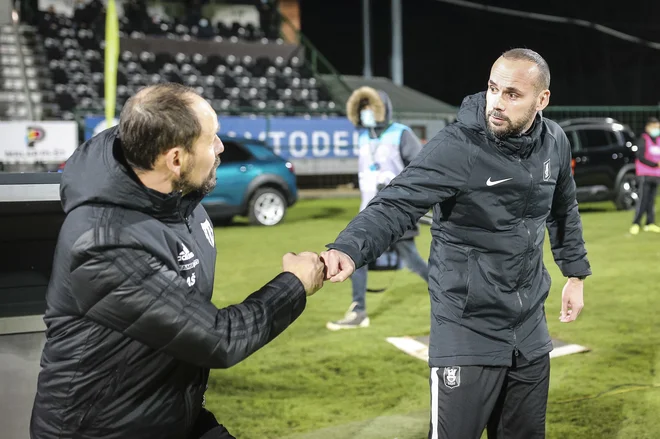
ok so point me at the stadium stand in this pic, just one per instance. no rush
(66, 60)
(17, 55)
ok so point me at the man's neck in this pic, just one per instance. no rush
(155, 180)
(529, 127)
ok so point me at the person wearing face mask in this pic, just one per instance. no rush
(386, 148)
(647, 167)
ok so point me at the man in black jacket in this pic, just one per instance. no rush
(495, 178)
(131, 330)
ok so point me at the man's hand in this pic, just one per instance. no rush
(572, 300)
(308, 267)
(339, 266)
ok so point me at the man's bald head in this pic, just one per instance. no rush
(156, 119)
(543, 78)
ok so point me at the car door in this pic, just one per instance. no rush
(236, 171)
(578, 170)
(597, 150)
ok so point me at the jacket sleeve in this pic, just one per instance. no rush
(564, 223)
(409, 147)
(641, 153)
(133, 292)
(435, 175)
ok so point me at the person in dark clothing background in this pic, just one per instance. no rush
(269, 17)
(647, 167)
(131, 329)
(495, 179)
(385, 149)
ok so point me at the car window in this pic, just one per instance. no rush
(234, 153)
(573, 140)
(628, 137)
(595, 138)
(261, 152)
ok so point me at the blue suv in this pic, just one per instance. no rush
(253, 181)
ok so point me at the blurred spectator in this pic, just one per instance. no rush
(136, 14)
(647, 166)
(205, 29)
(194, 12)
(87, 12)
(269, 18)
(386, 148)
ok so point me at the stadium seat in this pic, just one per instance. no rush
(74, 54)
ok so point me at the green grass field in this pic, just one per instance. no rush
(311, 383)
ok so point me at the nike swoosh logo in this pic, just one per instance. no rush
(493, 183)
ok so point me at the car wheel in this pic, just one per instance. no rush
(267, 207)
(626, 194)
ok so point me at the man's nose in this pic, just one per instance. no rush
(219, 146)
(498, 103)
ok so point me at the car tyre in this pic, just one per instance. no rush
(626, 192)
(267, 207)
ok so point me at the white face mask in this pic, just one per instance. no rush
(367, 118)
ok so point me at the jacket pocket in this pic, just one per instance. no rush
(98, 402)
(486, 296)
(452, 284)
(472, 302)
(188, 412)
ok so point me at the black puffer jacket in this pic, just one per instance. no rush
(492, 200)
(131, 331)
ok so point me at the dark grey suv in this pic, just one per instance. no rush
(603, 160)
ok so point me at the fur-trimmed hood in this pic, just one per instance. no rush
(378, 100)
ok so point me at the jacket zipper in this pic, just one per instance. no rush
(529, 235)
(184, 218)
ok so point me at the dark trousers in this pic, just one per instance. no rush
(207, 427)
(648, 188)
(510, 402)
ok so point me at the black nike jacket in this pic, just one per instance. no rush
(491, 200)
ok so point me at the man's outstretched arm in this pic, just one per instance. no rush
(132, 292)
(438, 173)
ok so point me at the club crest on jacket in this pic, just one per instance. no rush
(208, 232)
(546, 170)
(452, 376)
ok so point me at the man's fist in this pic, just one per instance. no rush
(339, 266)
(308, 267)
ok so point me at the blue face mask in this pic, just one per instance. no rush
(654, 132)
(367, 118)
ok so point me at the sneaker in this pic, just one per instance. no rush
(634, 229)
(352, 319)
(652, 228)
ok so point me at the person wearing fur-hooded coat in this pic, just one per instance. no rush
(386, 148)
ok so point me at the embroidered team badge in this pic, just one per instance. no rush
(208, 232)
(452, 376)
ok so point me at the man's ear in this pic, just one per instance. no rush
(174, 160)
(543, 100)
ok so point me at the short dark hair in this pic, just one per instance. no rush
(156, 119)
(543, 82)
(652, 120)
